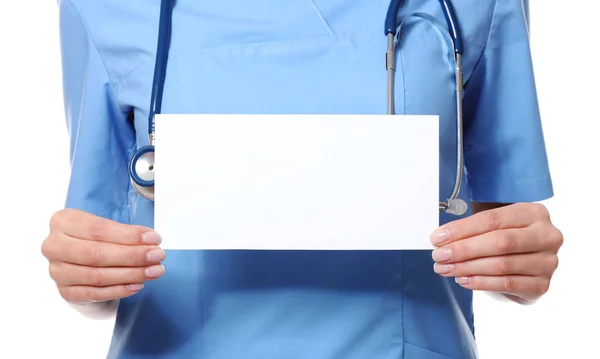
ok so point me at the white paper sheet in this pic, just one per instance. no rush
(296, 182)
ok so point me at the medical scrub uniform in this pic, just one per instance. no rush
(298, 57)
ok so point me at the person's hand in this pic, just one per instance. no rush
(510, 250)
(93, 259)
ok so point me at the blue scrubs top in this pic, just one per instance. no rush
(301, 56)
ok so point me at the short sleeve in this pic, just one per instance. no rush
(505, 154)
(100, 135)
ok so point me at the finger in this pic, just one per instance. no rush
(86, 294)
(101, 254)
(535, 264)
(83, 225)
(521, 286)
(497, 243)
(514, 216)
(70, 274)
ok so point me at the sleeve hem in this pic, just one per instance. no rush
(511, 192)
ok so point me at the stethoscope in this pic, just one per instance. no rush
(141, 164)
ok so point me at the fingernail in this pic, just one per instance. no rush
(151, 238)
(135, 287)
(155, 271)
(440, 236)
(443, 268)
(442, 254)
(155, 256)
(462, 280)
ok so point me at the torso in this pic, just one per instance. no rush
(286, 57)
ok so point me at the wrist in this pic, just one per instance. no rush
(520, 300)
(511, 298)
(97, 310)
(498, 296)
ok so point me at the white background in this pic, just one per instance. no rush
(34, 174)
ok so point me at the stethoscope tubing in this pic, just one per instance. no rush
(452, 204)
(160, 68)
(145, 187)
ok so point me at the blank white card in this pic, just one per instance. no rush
(296, 182)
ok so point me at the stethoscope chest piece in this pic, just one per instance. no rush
(141, 171)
